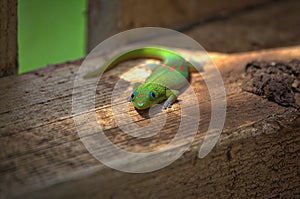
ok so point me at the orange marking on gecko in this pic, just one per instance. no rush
(172, 68)
(142, 95)
(181, 68)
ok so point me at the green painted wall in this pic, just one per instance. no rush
(50, 31)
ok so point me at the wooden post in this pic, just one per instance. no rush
(103, 20)
(8, 37)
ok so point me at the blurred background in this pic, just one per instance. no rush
(55, 31)
(50, 32)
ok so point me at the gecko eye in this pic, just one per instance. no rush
(152, 94)
(133, 95)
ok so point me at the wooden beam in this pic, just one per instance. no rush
(8, 38)
(42, 155)
(106, 18)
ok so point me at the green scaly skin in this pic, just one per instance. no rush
(164, 83)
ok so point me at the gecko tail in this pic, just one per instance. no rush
(151, 52)
(195, 66)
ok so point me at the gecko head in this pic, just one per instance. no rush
(146, 95)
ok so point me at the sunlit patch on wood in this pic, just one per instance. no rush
(140, 72)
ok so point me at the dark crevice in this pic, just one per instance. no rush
(277, 81)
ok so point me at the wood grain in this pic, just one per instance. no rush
(42, 155)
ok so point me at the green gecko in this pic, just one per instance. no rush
(166, 81)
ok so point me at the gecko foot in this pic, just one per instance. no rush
(166, 105)
(129, 99)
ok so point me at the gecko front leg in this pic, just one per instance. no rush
(171, 98)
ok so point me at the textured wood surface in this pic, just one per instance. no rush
(257, 154)
(8, 37)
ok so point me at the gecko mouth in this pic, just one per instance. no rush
(141, 104)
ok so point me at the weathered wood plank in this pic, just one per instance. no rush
(8, 38)
(42, 155)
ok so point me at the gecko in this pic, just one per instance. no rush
(164, 84)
